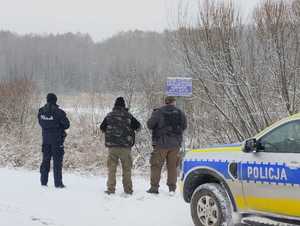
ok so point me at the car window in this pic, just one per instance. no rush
(285, 138)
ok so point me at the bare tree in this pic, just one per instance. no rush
(236, 72)
(278, 31)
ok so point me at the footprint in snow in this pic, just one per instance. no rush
(41, 221)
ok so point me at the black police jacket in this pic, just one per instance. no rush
(54, 122)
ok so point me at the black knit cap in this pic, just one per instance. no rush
(120, 102)
(51, 98)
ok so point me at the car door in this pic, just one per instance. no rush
(271, 176)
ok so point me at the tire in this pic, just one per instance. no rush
(210, 206)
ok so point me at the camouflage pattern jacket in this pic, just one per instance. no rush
(119, 127)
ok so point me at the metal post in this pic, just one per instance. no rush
(180, 103)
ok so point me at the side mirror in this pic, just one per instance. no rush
(250, 145)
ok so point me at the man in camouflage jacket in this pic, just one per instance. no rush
(119, 127)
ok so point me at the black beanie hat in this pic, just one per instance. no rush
(51, 98)
(120, 102)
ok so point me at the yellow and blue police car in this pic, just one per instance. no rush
(260, 176)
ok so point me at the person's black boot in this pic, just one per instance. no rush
(60, 186)
(109, 192)
(172, 189)
(153, 191)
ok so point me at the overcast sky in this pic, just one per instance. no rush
(100, 18)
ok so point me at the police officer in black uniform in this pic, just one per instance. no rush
(54, 122)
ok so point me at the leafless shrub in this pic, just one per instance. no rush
(17, 104)
(19, 138)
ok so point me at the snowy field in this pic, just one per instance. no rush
(23, 202)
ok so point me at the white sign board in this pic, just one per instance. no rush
(179, 87)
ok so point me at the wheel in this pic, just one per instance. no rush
(210, 206)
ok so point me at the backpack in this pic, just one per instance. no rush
(172, 122)
(118, 132)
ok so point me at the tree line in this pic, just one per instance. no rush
(245, 73)
(68, 63)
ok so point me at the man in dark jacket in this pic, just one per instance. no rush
(54, 122)
(119, 127)
(167, 124)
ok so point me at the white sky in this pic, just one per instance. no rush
(100, 18)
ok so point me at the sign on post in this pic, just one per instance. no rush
(179, 87)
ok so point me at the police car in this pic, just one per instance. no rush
(260, 176)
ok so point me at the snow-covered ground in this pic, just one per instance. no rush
(23, 202)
